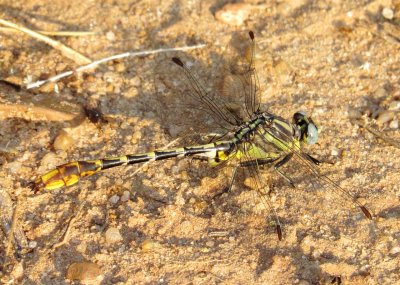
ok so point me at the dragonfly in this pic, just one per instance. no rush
(254, 139)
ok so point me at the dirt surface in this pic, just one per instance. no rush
(170, 222)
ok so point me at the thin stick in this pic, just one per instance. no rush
(69, 226)
(66, 51)
(54, 33)
(103, 60)
(10, 235)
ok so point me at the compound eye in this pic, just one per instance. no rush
(312, 133)
(308, 129)
(299, 117)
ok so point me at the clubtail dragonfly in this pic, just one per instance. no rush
(255, 138)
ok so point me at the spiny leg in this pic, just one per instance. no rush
(252, 166)
(231, 182)
(262, 191)
(257, 162)
(312, 159)
(233, 176)
(261, 162)
(315, 160)
(279, 164)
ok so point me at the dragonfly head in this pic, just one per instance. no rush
(308, 129)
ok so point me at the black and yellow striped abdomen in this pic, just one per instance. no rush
(70, 173)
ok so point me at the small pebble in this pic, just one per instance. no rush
(135, 81)
(210, 243)
(125, 196)
(113, 235)
(84, 271)
(110, 36)
(110, 88)
(316, 254)
(49, 159)
(394, 124)
(384, 117)
(199, 206)
(249, 182)
(303, 282)
(149, 245)
(184, 175)
(334, 152)
(283, 72)
(387, 13)
(233, 14)
(32, 244)
(366, 66)
(63, 141)
(120, 67)
(174, 130)
(17, 272)
(381, 92)
(114, 199)
(394, 106)
(354, 114)
(395, 250)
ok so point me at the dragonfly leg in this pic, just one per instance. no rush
(315, 160)
(257, 162)
(312, 159)
(279, 164)
(229, 187)
(233, 176)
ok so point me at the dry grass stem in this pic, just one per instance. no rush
(69, 226)
(66, 51)
(10, 235)
(54, 33)
(94, 64)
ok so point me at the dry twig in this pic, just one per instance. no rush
(94, 64)
(68, 52)
(69, 226)
(54, 33)
(10, 235)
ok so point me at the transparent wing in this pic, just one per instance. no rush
(240, 81)
(209, 99)
(235, 96)
(307, 163)
(189, 104)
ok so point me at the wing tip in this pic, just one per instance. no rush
(251, 34)
(366, 212)
(177, 61)
(279, 232)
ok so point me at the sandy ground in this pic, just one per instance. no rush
(170, 222)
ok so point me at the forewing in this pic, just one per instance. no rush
(240, 81)
(189, 103)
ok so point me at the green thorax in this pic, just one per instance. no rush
(265, 137)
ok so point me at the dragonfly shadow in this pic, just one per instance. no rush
(305, 264)
(390, 213)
